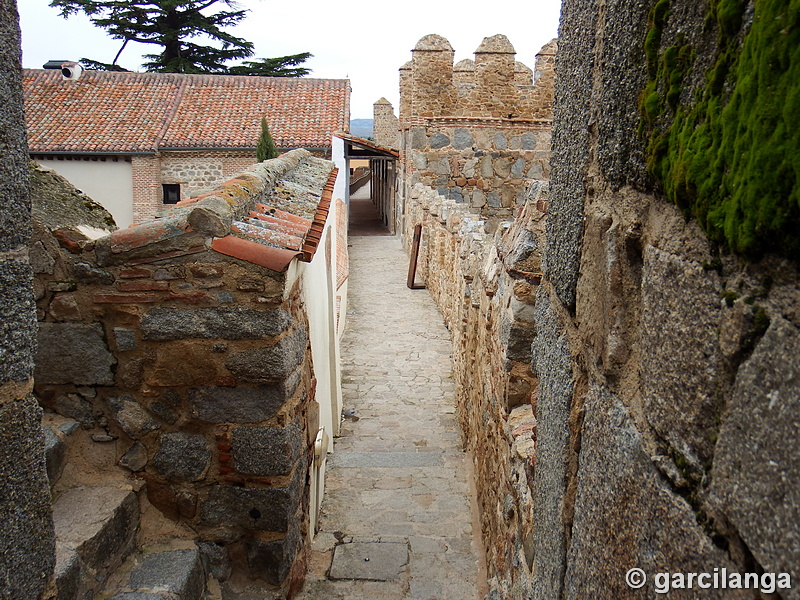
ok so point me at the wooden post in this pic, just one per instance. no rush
(412, 267)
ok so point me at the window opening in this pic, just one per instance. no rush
(172, 193)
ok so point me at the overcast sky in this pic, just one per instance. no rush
(364, 42)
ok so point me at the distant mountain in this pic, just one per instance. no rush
(361, 127)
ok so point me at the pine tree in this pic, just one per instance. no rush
(266, 146)
(169, 24)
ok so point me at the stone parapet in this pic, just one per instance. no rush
(485, 285)
(194, 363)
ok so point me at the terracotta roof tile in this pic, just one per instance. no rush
(263, 235)
(114, 112)
(354, 139)
(275, 259)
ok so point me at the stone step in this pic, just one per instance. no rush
(95, 530)
(58, 432)
(169, 575)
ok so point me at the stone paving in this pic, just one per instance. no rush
(398, 487)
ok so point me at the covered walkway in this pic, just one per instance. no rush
(398, 520)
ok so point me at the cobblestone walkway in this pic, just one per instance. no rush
(397, 475)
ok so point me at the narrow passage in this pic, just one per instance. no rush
(398, 486)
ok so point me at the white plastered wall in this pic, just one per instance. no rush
(318, 291)
(108, 182)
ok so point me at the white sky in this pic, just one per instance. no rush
(364, 42)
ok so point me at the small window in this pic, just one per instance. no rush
(172, 193)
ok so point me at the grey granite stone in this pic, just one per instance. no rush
(570, 145)
(272, 561)
(179, 572)
(271, 364)
(99, 523)
(553, 366)
(163, 411)
(462, 139)
(756, 472)
(41, 261)
(226, 322)
(55, 453)
(130, 372)
(86, 273)
(621, 155)
(241, 404)
(68, 573)
(135, 458)
(419, 139)
(438, 140)
(266, 450)
(182, 456)
(15, 209)
(17, 321)
(528, 141)
(217, 558)
(536, 171)
(265, 509)
(68, 427)
(27, 543)
(518, 168)
(520, 338)
(500, 141)
(125, 338)
(679, 352)
(75, 407)
(626, 516)
(73, 353)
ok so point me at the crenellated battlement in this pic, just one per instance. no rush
(493, 85)
(477, 131)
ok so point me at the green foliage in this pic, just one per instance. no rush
(169, 24)
(283, 66)
(266, 146)
(732, 158)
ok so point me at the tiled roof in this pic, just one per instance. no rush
(241, 217)
(110, 112)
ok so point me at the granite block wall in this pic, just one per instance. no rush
(657, 448)
(27, 543)
(477, 131)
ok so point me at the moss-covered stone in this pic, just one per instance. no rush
(730, 156)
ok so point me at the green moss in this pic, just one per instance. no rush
(732, 159)
(761, 323)
(729, 297)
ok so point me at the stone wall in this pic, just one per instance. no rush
(663, 366)
(27, 545)
(195, 171)
(485, 285)
(385, 126)
(476, 131)
(199, 172)
(667, 410)
(195, 368)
